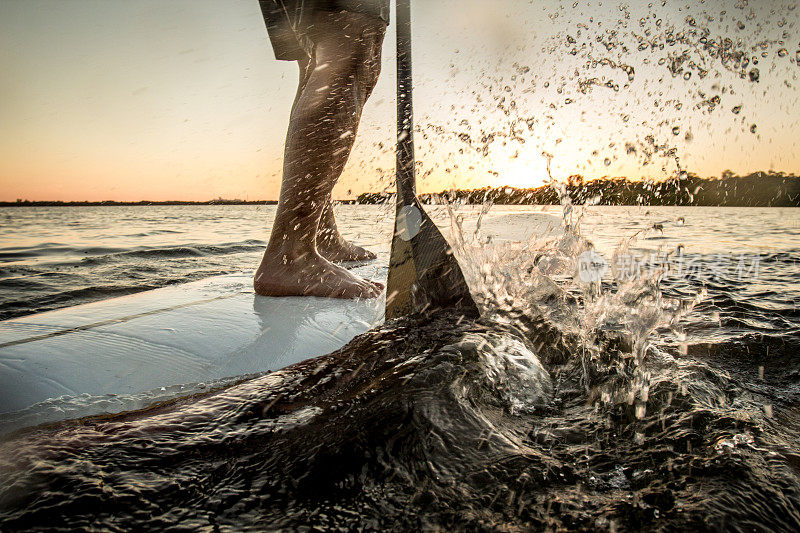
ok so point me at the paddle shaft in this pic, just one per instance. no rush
(424, 276)
(406, 183)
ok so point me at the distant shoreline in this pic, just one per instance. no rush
(105, 203)
(759, 189)
(56, 203)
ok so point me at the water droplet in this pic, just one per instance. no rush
(607, 162)
(676, 130)
(687, 75)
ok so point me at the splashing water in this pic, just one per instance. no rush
(546, 278)
(575, 402)
(583, 398)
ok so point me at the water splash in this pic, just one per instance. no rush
(606, 321)
(544, 414)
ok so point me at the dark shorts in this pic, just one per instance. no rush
(287, 21)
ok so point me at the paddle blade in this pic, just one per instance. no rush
(423, 273)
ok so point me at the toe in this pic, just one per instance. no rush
(370, 290)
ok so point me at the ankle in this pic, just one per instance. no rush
(328, 234)
(286, 255)
(330, 241)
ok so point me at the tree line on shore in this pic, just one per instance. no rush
(759, 189)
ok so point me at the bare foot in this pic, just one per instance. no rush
(310, 274)
(338, 250)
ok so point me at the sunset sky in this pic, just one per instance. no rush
(183, 100)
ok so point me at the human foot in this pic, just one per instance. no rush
(310, 274)
(338, 250)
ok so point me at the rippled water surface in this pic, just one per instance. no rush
(662, 393)
(57, 257)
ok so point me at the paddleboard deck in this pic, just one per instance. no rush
(196, 332)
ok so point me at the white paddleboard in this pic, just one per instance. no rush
(196, 332)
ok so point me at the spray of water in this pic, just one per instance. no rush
(601, 317)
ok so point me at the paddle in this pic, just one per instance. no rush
(423, 273)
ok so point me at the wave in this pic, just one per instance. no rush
(100, 254)
(433, 423)
(28, 287)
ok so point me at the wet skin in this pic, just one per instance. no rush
(334, 85)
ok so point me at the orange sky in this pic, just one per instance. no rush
(132, 100)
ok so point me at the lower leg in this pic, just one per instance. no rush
(321, 132)
(292, 265)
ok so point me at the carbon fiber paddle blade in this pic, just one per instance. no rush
(423, 273)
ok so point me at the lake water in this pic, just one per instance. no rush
(640, 371)
(57, 257)
(53, 257)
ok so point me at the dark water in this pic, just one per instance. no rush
(668, 399)
(57, 257)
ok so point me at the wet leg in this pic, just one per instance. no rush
(322, 128)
